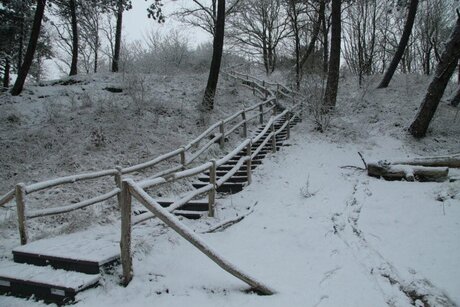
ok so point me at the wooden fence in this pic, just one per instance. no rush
(182, 156)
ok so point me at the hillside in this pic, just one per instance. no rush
(318, 233)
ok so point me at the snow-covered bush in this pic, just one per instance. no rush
(313, 87)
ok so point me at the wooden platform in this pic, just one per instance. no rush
(44, 282)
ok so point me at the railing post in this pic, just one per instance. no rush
(222, 132)
(182, 157)
(20, 206)
(288, 131)
(261, 116)
(118, 180)
(253, 89)
(125, 240)
(245, 124)
(273, 138)
(212, 192)
(249, 162)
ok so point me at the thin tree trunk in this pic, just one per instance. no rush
(116, 55)
(73, 14)
(6, 75)
(217, 50)
(325, 42)
(332, 84)
(21, 38)
(444, 71)
(315, 34)
(29, 56)
(455, 101)
(401, 46)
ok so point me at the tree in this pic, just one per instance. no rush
(212, 20)
(217, 50)
(402, 44)
(444, 71)
(258, 28)
(330, 96)
(34, 35)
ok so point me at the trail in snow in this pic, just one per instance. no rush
(396, 290)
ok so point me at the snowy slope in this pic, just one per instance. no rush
(320, 234)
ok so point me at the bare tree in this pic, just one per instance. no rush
(29, 56)
(402, 44)
(444, 71)
(330, 96)
(217, 50)
(258, 29)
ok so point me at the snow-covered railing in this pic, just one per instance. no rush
(130, 190)
(257, 111)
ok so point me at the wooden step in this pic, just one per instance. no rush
(227, 167)
(193, 205)
(205, 178)
(228, 187)
(43, 282)
(84, 252)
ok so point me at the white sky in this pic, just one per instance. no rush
(136, 23)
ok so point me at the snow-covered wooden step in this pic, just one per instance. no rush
(193, 205)
(85, 252)
(44, 282)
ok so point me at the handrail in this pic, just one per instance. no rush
(68, 179)
(170, 174)
(69, 208)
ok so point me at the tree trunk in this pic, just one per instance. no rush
(332, 84)
(21, 38)
(444, 71)
(29, 56)
(73, 14)
(217, 50)
(6, 75)
(116, 55)
(401, 46)
(314, 36)
(325, 29)
(455, 101)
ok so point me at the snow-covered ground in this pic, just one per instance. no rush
(318, 233)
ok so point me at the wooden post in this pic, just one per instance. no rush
(263, 83)
(273, 138)
(20, 206)
(182, 157)
(249, 162)
(125, 240)
(288, 127)
(253, 89)
(261, 116)
(245, 125)
(118, 180)
(212, 193)
(222, 137)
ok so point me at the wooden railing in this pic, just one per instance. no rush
(183, 157)
(130, 189)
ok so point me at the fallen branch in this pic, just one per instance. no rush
(452, 161)
(391, 171)
(230, 222)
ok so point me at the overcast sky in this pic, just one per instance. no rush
(136, 22)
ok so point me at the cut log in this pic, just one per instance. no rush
(408, 172)
(452, 161)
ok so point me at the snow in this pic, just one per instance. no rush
(48, 275)
(355, 241)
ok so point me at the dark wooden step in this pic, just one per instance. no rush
(43, 283)
(228, 187)
(193, 205)
(205, 178)
(77, 252)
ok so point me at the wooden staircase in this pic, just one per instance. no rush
(56, 269)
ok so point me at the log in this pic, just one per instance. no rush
(452, 161)
(408, 172)
(173, 222)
